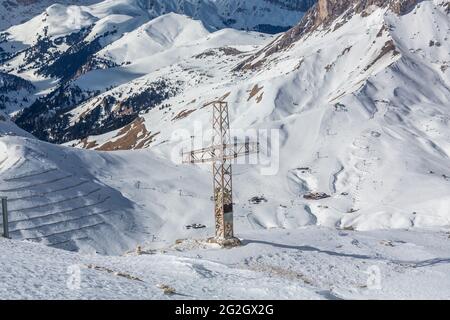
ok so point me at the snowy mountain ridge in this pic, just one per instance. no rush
(260, 15)
(331, 15)
(13, 12)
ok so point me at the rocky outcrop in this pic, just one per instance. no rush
(322, 15)
(326, 11)
(133, 136)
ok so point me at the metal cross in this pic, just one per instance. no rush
(220, 153)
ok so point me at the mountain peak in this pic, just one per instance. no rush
(323, 14)
(328, 10)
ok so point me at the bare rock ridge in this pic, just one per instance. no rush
(323, 14)
(327, 11)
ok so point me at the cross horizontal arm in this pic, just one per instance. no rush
(220, 152)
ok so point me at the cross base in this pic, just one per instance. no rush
(225, 243)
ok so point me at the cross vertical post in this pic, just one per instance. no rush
(5, 217)
(221, 153)
(222, 179)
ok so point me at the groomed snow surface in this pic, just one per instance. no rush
(309, 263)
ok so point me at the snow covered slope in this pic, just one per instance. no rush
(270, 16)
(154, 37)
(358, 94)
(13, 12)
(95, 202)
(311, 263)
(52, 201)
(108, 63)
(360, 102)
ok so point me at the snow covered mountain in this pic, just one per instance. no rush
(358, 92)
(68, 41)
(270, 16)
(366, 88)
(13, 12)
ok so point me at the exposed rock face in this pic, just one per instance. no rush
(326, 11)
(333, 8)
(323, 14)
(133, 136)
(329, 9)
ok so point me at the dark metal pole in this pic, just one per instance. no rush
(5, 217)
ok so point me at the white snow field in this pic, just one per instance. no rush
(68, 198)
(308, 263)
